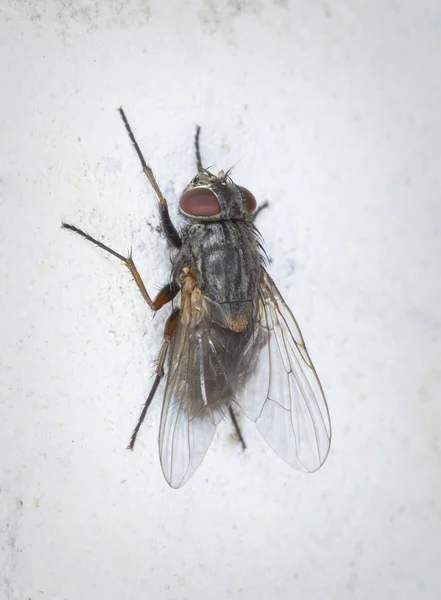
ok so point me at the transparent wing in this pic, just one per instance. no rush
(281, 391)
(198, 392)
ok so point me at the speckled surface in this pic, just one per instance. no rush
(332, 110)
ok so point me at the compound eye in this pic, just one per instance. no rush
(250, 199)
(199, 202)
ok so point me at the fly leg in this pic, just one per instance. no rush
(198, 150)
(166, 294)
(170, 328)
(259, 209)
(200, 168)
(237, 428)
(169, 229)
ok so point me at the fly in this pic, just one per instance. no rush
(232, 341)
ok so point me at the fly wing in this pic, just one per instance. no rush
(198, 392)
(281, 390)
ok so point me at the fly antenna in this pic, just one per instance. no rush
(197, 149)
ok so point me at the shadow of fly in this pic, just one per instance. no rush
(231, 344)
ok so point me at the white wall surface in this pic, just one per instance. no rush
(333, 112)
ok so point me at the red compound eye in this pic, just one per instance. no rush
(251, 200)
(199, 202)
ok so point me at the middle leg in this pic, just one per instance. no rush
(166, 294)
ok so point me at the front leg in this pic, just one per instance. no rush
(166, 294)
(259, 209)
(169, 229)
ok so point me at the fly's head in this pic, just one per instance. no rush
(210, 197)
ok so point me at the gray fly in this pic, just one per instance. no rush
(231, 341)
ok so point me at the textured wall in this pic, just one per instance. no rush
(332, 110)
